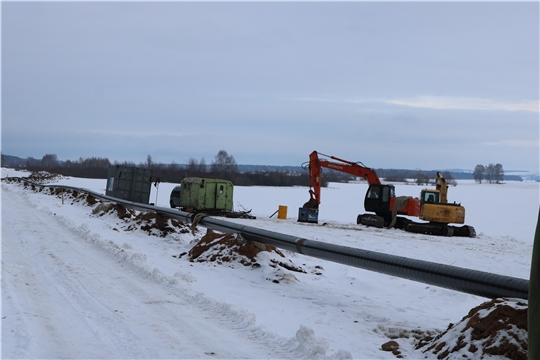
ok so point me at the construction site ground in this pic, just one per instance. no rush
(273, 303)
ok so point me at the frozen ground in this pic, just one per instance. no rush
(80, 285)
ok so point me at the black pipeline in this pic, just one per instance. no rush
(450, 277)
(446, 276)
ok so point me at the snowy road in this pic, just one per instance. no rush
(60, 292)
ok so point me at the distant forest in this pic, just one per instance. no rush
(223, 166)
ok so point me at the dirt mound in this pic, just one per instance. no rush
(222, 248)
(67, 195)
(44, 177)
(233, 248)
(150, 222)
(494, 328)
(156, 224)
(11, 180)
(104, 208)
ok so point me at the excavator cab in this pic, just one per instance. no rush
(430, 196)
(436, 211)
(378, 197)
(377, 201)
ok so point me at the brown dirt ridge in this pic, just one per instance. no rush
(495, 328)
(233, 248)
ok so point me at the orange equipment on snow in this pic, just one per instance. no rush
(384, 206)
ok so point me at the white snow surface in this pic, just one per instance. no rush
(78, 285)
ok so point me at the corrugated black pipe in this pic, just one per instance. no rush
(450, 277)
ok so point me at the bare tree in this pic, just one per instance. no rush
(192, 166)
(224, 164)
(490, 173)
(32, 163)
(49, 161)
(498, 173)
(479, 173)
(202, 166)
(421, 178)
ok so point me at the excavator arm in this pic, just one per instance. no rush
(440, 184)
(315, 169)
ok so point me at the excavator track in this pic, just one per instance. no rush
(441, 229)
(405, 224)
(371, 220)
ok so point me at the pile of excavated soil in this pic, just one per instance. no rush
(494, 328)
(233, 248)
(400, 333)
(67, 195)
(156, 224)
(44, 177)
(150, 222)
(224, 248)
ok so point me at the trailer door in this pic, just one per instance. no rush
(221, 196)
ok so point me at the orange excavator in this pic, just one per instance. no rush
(384, 206)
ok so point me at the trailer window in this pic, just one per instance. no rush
(221, 189)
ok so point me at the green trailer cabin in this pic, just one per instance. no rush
(201, 194)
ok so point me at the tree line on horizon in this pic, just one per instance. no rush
(418, 177)
(224, 166)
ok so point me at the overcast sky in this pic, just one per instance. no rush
(421, 85)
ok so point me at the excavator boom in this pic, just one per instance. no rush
(315, 170)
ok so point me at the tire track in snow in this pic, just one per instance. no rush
(68, 279)
(54, 284)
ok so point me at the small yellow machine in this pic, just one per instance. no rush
(434, 206)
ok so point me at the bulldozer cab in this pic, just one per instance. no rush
(430, 196)
(378, 198)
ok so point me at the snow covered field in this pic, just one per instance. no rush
(80, 285)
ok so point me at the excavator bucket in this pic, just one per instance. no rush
(311, 204)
